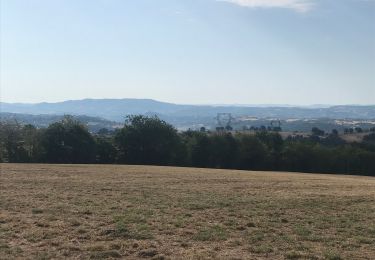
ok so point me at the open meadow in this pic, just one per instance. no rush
(97, 211)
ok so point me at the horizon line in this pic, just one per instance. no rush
(196, 104)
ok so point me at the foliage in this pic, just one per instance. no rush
(68, 141)
(105, 150)
(316, 131)
(18, 143)
(149, 140)
(252, 153)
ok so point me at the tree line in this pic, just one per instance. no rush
(150, 141)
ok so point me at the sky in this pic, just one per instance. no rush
(297, 52)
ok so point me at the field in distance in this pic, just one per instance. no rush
(96, 211)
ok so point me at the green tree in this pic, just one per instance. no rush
(223, 150)
(316, 131)
(252, 154)
(68, 141)
(199, 149)
(299, 157)
(12, 143)
(105, 150)
(32, 137)
(148, 140)
(274, 144)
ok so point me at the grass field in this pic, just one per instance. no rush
(65, 211)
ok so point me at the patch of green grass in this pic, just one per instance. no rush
(115, 246)
(223, 204)
(287, 238)
(255, 236)
(230, 222)
(33, 237)
(148, 253)
(136, 231)
(261, 249)
(137, 215)
(302, 231)
(293, 255)
(105, 254)
(180, 222)
(133, 224)
(36, 211)
(96, 248)
(371, 232)
(75, 223)
(215, 233)
(3, 245)
(122, 230)
(332, 256)
(141, 231)
(365, 240)
(42, 224)
(198, 206)
(82, 231)
(43, 256)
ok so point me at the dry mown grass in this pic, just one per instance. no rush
(65, 211)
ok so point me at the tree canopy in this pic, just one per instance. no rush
(68, 141)
(147, 140)
(152, 141)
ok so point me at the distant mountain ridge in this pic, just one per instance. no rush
(111, 109)
(117, 109)
(94, 124)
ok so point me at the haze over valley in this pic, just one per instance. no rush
(111, 113)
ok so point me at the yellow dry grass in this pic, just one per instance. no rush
(96, 211)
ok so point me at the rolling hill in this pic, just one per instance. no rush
(116, 109)
(94, 124)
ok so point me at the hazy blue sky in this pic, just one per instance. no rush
(192, 51)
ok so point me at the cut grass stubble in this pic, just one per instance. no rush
(83, 211)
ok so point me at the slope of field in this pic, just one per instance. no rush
(93, 211)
